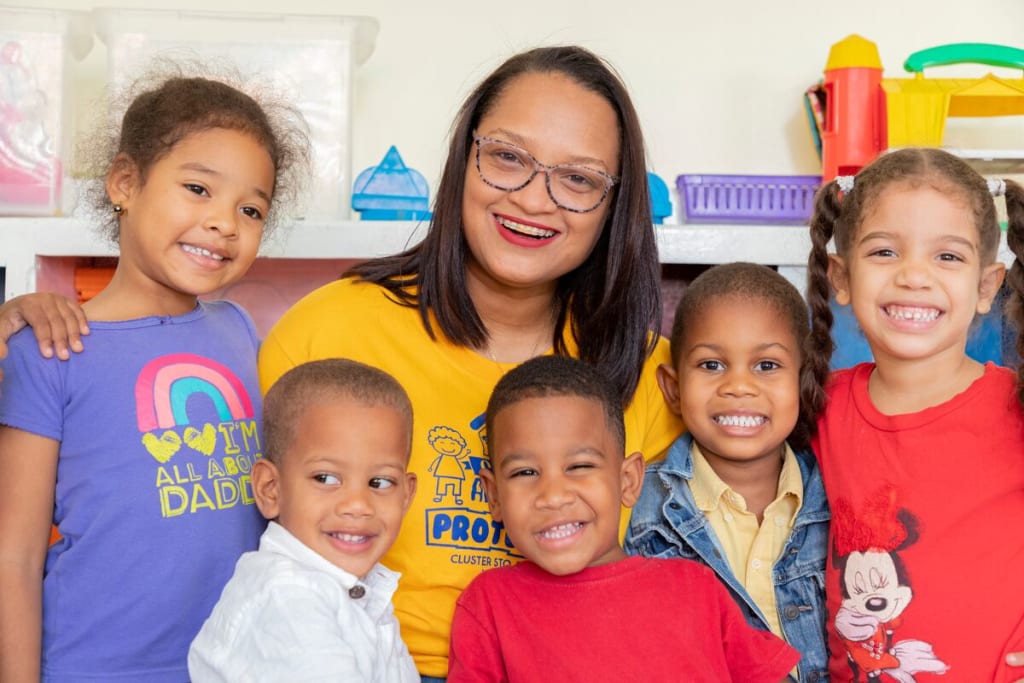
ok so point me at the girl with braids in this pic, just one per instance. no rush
(922, 450)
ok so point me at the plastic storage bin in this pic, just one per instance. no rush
(36, 47)
(747, 199)
(309, 59)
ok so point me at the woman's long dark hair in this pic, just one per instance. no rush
(612, 300)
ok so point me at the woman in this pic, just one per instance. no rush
(541, 242)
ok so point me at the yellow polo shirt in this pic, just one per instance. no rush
(750, 548)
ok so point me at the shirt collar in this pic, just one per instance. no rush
(791, 481)
(377, 587)
(708, 488)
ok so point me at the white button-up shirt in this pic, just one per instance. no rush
(288, 614)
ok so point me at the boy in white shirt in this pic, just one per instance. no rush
(313, 603)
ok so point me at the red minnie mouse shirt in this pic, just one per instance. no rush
(923, 581)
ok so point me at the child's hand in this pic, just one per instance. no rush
(1016, 659)
(58, 323)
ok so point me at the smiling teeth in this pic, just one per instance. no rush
(350, 538)
(561, 531)
(740, 420)
(527, 229)
(915, 314)
(199, 251)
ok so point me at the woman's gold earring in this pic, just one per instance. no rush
(118, 209)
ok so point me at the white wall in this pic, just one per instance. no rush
(718, 84)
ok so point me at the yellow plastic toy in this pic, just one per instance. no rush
(918, 106)
(867, 114)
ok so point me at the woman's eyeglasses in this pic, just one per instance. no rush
(509, 167)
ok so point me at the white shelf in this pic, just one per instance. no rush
(992, 162)
(22, 240)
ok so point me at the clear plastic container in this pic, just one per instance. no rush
(309, 59)
(37, 47)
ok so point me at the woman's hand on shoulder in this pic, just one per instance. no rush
(57, 322)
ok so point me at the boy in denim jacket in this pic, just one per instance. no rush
(740, 491)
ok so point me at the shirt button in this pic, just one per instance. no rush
(356, 592)
(756, 564)
(779, 520)
(791, 612)
(727, 516)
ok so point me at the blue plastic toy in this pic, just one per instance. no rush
(390, 191)
(661, 205)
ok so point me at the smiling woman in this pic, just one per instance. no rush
(513, 266)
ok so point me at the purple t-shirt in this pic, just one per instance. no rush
(157, 421)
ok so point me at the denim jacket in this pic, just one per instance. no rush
(666, 522)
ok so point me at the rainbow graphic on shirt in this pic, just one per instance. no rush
(212, 473)
(165, 385)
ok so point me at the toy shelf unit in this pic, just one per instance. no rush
(866, 114)
(64, 255)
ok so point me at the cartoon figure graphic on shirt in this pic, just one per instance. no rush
(876, 590)
(460, 518)
(449, 467)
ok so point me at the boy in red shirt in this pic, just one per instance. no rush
(579, 609)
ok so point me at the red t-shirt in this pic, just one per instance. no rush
(638, 619)
(924, 576)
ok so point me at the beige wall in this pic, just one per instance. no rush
(717, 84)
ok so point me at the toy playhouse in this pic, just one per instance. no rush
(865, 114)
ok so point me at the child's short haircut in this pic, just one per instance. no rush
(308, 383)
(751, 282)
(553, 376)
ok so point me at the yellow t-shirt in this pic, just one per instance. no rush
(447, 537)
(750, 548)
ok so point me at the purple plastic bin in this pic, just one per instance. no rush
(747, 198)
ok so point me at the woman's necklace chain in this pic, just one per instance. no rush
(545, 336)
(533, 351)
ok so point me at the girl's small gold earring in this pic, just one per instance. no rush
(118, 209)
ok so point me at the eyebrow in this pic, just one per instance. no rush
(195, 166)
(579, 450)
(881, 234)
(717, 348)
(521, 142)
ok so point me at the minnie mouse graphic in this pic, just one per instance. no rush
(876, 589)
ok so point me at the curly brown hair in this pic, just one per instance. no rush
(172, 101)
